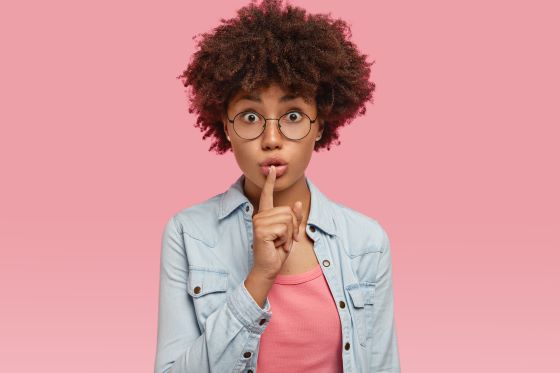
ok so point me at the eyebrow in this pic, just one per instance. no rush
(252, 97)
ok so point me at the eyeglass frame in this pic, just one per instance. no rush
(311, 121)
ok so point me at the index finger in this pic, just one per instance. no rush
(266, 201)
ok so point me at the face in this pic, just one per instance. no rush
(272, 102)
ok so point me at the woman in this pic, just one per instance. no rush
(272, 275)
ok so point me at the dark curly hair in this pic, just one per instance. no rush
(306, 54)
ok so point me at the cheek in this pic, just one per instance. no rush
(310, 143)
(304, 156)
(245, 158)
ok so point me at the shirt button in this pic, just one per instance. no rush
(326, 263)
(262, 321)
(342, 304)
(248, 354)
(249, 371)
(347, 346)
(197, 289)
(247, 208)
(312, 229)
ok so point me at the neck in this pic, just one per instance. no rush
(298, 191)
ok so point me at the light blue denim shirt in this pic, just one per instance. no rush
(209, 322)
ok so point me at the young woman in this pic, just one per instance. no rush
(272, 275)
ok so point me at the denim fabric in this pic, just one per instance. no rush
(209, 322)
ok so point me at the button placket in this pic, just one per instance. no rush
(249, 211)
(248, 219)
(344, 315)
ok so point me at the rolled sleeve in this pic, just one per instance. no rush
(247, 311)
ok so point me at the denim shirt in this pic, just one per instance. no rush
(209, 322)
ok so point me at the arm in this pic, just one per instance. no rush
(385, 356)
(231, 333)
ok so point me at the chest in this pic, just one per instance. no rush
(302, 257)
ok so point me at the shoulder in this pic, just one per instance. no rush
(199, 221)
(362, 231)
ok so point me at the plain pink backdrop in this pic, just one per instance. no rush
(457, 158)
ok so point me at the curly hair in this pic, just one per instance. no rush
(306, 54)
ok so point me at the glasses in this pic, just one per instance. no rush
(249, 125)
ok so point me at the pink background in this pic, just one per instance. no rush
(458, 159)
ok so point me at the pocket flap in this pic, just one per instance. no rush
(368, 291)
(203, 281)
(356, 295)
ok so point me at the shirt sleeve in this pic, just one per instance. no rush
(231, 332)
(385, 355)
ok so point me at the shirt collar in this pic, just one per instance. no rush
(321, 212)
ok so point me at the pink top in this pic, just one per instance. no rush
(304, 332)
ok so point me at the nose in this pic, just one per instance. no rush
(271, 136)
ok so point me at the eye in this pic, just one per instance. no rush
(250, 117)
(293, 116)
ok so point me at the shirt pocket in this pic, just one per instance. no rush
(357, 311)
(368, 292)
(362, 296)
(208, 288)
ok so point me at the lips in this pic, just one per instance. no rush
(280, 170)
(280, 164)
(277, 161)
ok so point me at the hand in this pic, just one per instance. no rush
(274, 229)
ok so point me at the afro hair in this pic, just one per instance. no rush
(307, 54)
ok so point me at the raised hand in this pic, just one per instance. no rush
(274, 229)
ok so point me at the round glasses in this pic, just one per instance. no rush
(249, 125)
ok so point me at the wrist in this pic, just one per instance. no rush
(261, 277)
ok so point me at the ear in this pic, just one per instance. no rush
(225, 122)
(321, 128)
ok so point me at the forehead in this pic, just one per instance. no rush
(272, 92)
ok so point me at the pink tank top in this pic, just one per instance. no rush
(304, 332)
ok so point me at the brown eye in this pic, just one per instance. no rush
(294, 116)
(250, 117)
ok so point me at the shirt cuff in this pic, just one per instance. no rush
(249, 313)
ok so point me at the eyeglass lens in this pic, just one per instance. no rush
(294, 124)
